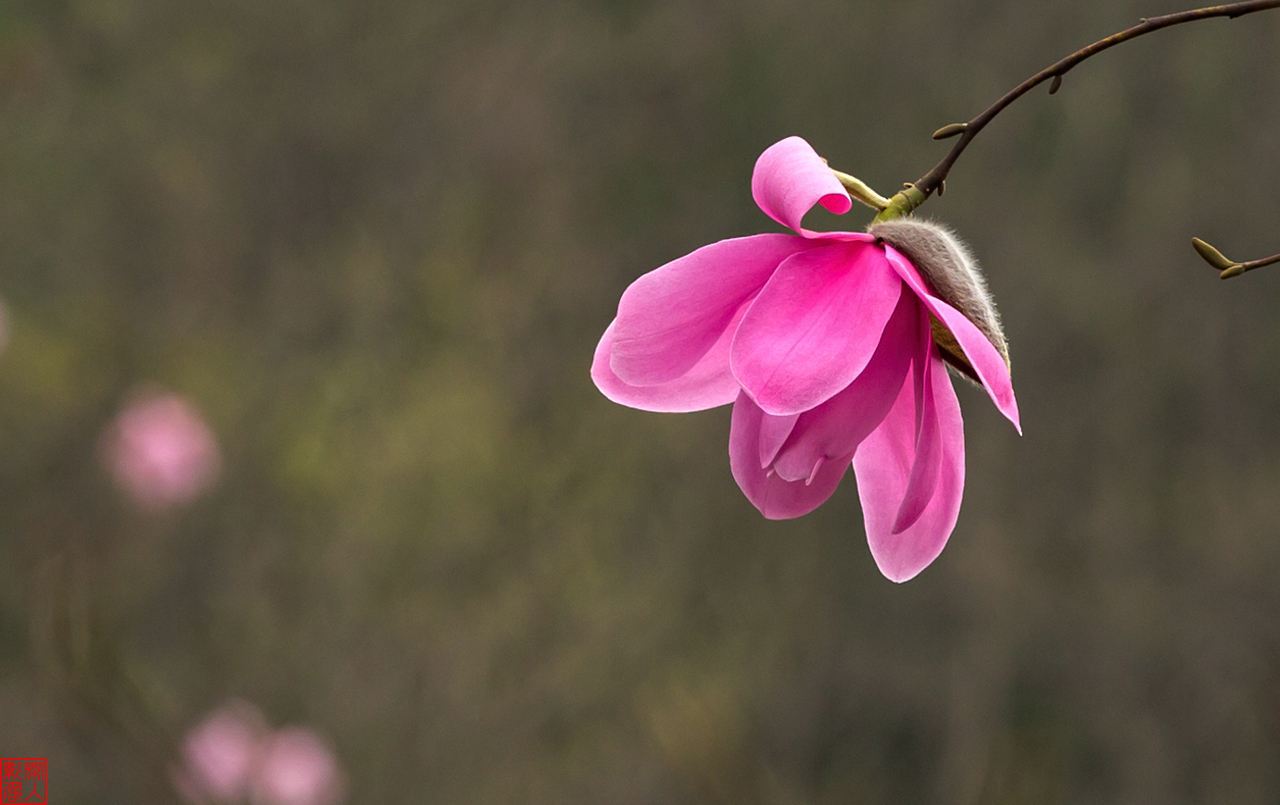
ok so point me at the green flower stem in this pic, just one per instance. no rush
(902, 204)
(861, 191)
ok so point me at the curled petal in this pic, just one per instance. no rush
(884, 467)
(670, 317)
(839, 425)
(982, 355)
(707, 384)
(815, 326)
(776, 498)
(790, 179)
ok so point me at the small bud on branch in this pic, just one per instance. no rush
(1226, 267)
(950, 130)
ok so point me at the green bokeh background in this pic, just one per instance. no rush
(376, 243)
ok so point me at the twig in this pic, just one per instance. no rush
(1225, 266)
(932, 181)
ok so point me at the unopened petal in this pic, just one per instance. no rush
(815, 326)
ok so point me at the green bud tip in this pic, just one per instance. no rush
(950, 130)
(1212, 255)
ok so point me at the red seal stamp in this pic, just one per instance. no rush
(24, 781)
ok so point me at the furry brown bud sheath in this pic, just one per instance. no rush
(949, 266)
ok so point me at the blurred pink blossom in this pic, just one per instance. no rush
(220, 753)
(161, 452)
(297, 767)
(232, 756)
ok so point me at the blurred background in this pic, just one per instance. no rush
(341, 266)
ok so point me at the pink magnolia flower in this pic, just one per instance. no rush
(161, 452)
(823, 343)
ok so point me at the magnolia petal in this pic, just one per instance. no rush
(776, 499)
(707, 384)
(928, 443)
(839, 425)
(774, 431)
(983, 356)
(883, 465)
(815, 326)
(669, 318)
(790, 179)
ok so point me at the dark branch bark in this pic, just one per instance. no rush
(932, 181)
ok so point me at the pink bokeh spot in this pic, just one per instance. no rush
(822, 342)
(232, 756)
(219, 754)
(297, 767)
(160, 451)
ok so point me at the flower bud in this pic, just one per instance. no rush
(953, 273)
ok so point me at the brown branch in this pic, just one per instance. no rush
(932, 181)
